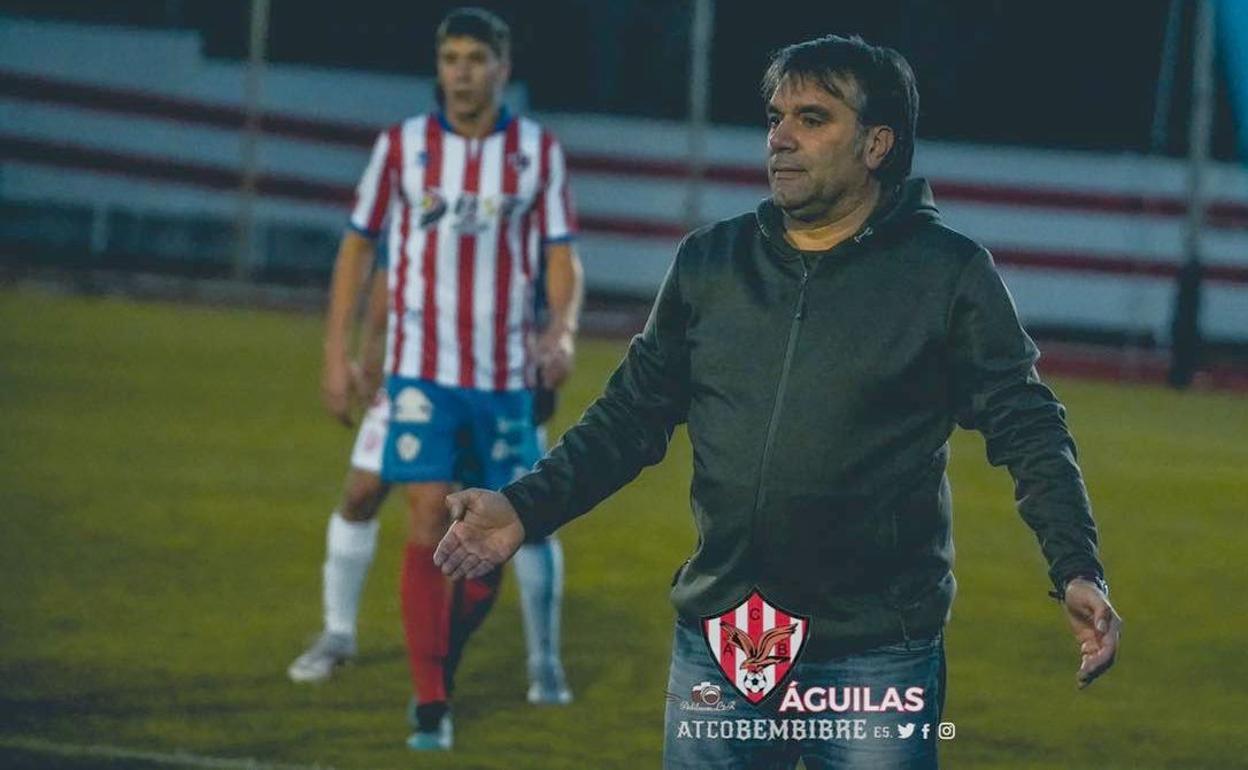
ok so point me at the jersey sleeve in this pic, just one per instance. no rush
(372, 194)
(556, 216)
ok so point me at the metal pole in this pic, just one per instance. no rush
(244, 259)
(1185, 348)
(699, 106)
(1165, 79)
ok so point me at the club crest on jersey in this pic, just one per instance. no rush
(756, 644)
(432, 208)
(519, 161)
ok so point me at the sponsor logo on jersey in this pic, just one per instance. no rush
(432, 208)
(756, 644)
(470, 217)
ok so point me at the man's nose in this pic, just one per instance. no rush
(780, 138)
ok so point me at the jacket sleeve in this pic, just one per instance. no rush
(625, 430)
(998, 392)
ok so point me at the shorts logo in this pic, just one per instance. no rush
(500, 451)
(412, 406)
(756, 644)
(408, 446)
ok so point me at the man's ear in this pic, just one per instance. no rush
(879, 143)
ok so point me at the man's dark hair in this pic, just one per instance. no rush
(478, 24)
(887, 95)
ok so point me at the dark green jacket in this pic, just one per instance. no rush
(820, 391)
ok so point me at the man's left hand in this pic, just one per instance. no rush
(554, 357)
(1097, 627)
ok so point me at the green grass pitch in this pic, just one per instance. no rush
(166, 473)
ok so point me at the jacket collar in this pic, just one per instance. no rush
(905, 206)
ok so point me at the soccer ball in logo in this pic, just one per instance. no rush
(754, 681)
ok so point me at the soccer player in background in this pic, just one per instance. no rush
(475, 203)
(351, 539)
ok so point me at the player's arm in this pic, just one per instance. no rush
(355, 257)
(372, 348)
(997, 391)
(556, 347)
(564, 280)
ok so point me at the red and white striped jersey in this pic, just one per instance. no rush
(466, 220)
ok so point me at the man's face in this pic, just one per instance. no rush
(817, 150)
(471, 75)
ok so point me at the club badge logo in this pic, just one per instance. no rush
(756, 644)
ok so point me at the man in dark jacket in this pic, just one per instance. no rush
(821, 350)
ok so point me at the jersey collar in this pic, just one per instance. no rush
(504, 120)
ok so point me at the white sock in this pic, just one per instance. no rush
(539, 570)
(349, 548)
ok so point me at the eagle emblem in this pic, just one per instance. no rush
(756, 644)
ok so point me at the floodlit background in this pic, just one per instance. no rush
(174, 176)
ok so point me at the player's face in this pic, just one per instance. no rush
(816, 148)
(471, 75)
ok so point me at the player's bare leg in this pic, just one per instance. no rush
(350, 542)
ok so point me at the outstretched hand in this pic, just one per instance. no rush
(485, 532)
(1097, 627)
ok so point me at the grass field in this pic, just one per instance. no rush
(166, 474)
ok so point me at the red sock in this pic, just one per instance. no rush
(476, 597)
(426, 600)
(472, 600)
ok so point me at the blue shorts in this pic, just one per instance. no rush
(439, 433)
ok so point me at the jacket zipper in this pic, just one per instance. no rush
(773, 423)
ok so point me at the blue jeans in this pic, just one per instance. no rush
(731, 733)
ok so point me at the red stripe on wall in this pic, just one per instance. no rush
(36, 88)
(146, 104)
(60, 155)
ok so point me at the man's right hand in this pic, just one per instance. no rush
(485, 532)
(336, 388)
